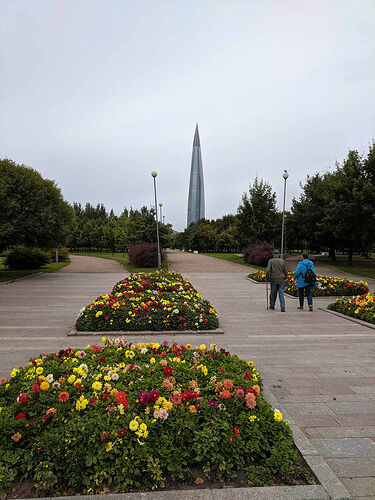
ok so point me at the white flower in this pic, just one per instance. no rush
(49, 378)
(114, 376)
(144, 350)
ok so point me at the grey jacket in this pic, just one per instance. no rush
(276, 270)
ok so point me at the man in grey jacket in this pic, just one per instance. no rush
(276, 273)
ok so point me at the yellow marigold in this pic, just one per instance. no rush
(97, 386)
(39, 370)
(71, 379)
(44, 386)
(192, 409)
(278, 416)
(133, 425)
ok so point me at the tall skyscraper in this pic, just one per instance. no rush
(196, 209)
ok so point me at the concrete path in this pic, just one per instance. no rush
(317, 367)
(83, 264)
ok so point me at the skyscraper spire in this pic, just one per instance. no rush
(196, 208)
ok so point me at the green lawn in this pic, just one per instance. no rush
(232, 257)
(8, 275)
(360, 267)
(123, 259)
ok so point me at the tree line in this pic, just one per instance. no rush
(334, 212)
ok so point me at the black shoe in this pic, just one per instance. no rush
(310, 309)
(283, 310)
(299, 307)
(272, 308)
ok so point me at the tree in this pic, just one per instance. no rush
(33, 212)
(258, 218)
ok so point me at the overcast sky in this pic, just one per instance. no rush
(97, 94)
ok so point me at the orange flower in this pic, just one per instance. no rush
(192, 409)
(16, 437)
(3, 380)
(228, 384)
(250, 400)
(64, 396)
(256, 388)
(225, 394)
(62, 380)
(51, 410)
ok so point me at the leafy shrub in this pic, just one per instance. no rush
(258, 253)
(161, 300)
(129, 417)
(361, 307)
(144, 255)
(326, 286)
(26, 258)
(63, 254)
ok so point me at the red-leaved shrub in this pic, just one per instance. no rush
(258, 253)
(144, 255)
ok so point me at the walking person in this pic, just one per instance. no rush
(306, 279)
(276, 273)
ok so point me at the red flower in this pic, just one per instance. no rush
(121, 433)
(93, 401)
(102, 359)
(79, 387)
(221, 370)
(205, 320)
(236, 432)
(35, 388)
(122, 399)
(106, 318)
(163, 354)
(64, 396)
(168, 371)
(22, 398)
(20, 415)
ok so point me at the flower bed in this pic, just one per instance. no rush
(326, 285)
(155, 301)
(127, 417)
(362, 307)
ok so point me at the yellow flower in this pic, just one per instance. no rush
(44, 386)
(103, 340)
(147, 410)
(188, 346)
(39, 370)
(252, 418)
(192, 409)
(97, 386)
(202, 347)
(204, 370)
(143, 427)
(107, 378)
(152, 361)
(278, 416)
(81, 403)
(121, 409)
(108, 446)
(71, 379)
(133, 426)
(251, 363)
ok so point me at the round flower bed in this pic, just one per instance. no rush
(131, 417)
(362, 307)
(160, 300)
(326, 285)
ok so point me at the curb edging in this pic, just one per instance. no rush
(121, 333)
(349, 318)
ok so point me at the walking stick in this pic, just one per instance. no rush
(267, 295)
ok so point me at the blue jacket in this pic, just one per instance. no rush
(301, 271)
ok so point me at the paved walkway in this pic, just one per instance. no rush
(320, 368)
(84, 264)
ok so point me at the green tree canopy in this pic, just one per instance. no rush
(33, 212)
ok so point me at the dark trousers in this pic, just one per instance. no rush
(302, 291)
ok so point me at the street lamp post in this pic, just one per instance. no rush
(285, 176)
(154, 174)
(160, 205)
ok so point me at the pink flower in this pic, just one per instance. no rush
(250, 400)
(240, 392)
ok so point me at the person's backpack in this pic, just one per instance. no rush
(309, 276)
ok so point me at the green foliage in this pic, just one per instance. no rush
(26, 258)
(63, 254)
(32, 210)
(149, 301)
(130, 417)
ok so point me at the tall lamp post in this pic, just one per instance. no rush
(160, 205)
(285, 176)
(154, 174)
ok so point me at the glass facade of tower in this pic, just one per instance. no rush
(196, 208)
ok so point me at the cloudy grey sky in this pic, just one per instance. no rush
(96, 94)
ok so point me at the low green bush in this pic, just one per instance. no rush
(26, 258)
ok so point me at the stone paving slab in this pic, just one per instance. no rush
(360, 486)
(352, 467)
(305, 355)
(344, 447)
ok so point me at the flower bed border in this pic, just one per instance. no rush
(121, 333)
(349, 318)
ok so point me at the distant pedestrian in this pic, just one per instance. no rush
(306, 279)
(276, 273)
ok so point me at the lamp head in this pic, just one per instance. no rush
(154, 173)
(160, 204)
(285, 175)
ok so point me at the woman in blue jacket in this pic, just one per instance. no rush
(303, 286)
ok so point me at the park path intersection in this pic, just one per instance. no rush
(317, 368)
